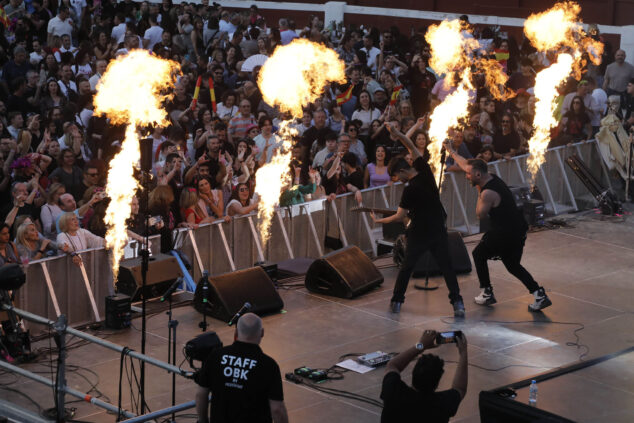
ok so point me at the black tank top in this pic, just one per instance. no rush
(506, 216)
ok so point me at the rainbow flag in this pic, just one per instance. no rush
(345, 96)
(396, 92)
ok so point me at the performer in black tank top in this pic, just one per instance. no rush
(505, 240)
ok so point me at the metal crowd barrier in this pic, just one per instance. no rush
(296, 231)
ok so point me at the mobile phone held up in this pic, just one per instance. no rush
(447, 337)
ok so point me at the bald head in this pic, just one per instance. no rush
(250, 329)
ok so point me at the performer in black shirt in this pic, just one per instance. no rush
(426, 230)
(507, 235)
(245, 383)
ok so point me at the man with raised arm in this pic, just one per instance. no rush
(426, 230)
(505, 239)
(421, 401)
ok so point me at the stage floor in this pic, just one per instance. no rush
(587, 269)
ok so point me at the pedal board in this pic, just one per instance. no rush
(375, 359)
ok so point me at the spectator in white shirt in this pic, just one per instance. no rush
(94, 80)
(118, 31)
(152, 34)
(225, 24)
(286, 33)
(79, 6)
(371, 52)
(60, 25)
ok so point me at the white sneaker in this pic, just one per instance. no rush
(541, 300)
(486, 297)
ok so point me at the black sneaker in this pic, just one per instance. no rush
(395, 307)
(541, 300)
(458, 309)
(486, 297)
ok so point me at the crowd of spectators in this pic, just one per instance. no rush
(55, 152)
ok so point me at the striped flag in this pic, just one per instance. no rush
(196, 92)
(396, 92)
(212, 94)
(4, 19)
(345, 96)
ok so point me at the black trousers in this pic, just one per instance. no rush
(509, 248)
(417, 245)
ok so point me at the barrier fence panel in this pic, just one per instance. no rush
(224, 247)
(244, 246)
(308, 228)
(68, 285)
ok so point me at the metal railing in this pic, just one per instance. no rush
(55, 285)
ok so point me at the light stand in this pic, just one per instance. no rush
(426, 286)
(145, 145)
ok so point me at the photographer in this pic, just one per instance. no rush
(421, 401)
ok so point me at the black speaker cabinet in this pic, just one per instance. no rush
(229, 292)
(344, 273)
(427, 264)
(459, 258)
(163, 270)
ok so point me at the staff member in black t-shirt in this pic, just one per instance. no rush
(507, 235)
(426, 230)
(421, 402)
(245, 383)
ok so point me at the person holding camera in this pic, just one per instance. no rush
(409, 403)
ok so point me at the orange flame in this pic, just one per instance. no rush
(558, 29)
(130, 92)
(453, 53)
(295, 75)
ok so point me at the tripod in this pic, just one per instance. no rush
(428, 287)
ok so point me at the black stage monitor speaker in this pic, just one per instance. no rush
(344, 273)
(229, 292)
(427, 264)
(163, 270)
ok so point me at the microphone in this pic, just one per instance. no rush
(171, 289)
(246, 307)
(205, 288)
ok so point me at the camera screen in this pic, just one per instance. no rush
(447, 334)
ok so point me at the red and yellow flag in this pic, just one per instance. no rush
(4, 19)
(212, 94)
(345, 96)
(501, 55)
(396, 92)
(197, 92)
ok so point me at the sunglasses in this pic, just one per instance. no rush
(243, 189)
(93, 174)
(353, 129)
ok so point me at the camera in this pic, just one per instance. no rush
(447, 337)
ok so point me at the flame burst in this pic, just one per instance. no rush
(556, 30)
(454, 54)
(292, 77)
(129, 93)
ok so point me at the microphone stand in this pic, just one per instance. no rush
(171, 342)
(428, 287)
(205, 294)
(145, 263)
